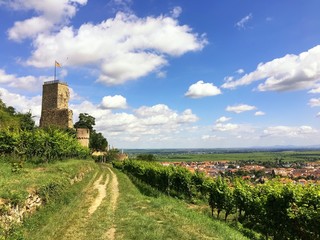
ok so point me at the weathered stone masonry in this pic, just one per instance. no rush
(83, 135)
(55, 111)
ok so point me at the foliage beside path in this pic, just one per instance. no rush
(158, 217)
(275, 209)
(48, 183)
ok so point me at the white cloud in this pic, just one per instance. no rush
(259, 113)
(287, 131)
(229, 132)
(124, 48)
(161, 74)
(22, 103)
(316, 89)
(228, 79)
(244, 21)
(187, 117)
(240, 108)
(205, 137)
(202, 89)
(114, 102)
(29, 28)
(210, 137)
(143, 123)
(159, 109)
(51, 13)
(240, 71)
(29, 83)
(162, 114)
(314, 102)
(225, 127)
(120, 5)
(318, 114)
(223, 119)
(176, 11)
(291, 72)
(74, 95)
(129, 66)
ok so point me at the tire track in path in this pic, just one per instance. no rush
(102, 192)
(94, 217)
(114, 190)
(76, 223)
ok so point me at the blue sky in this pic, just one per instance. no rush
(171, 74)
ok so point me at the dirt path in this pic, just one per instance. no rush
(96, 210)
(110, 234)
(102, 192)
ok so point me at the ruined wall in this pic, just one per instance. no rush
(12, 214)
(55, 112)
(56, 117)
(83, 135)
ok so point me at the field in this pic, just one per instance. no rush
(176, 155)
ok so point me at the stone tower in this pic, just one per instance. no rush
(55, 98)
(83, 136)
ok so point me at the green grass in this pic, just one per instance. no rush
(67, 217)
(142, 217)
(15, 186)
(137, 215)
(46, 223)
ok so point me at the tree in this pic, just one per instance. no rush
(26, 121)
(2, 104)
(146, 157)
(11, 110)
(97, 141)
(112, 155)
(85, 121)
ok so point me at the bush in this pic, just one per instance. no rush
(41, 145)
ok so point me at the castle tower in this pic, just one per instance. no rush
(83, 136)
(55, 98)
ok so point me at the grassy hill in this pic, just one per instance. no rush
(10, 119)
(105, 204)
(7, 119)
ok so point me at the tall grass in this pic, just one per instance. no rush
(47, 222)
(157, 216)
(15, 186)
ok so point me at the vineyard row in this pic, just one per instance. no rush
(274, 209)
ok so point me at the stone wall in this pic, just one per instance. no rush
(11, 214)
(56, 117)
(14, 214)
(55, 95)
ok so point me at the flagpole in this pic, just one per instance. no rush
(55, 71)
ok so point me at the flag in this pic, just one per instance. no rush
(57, 64)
